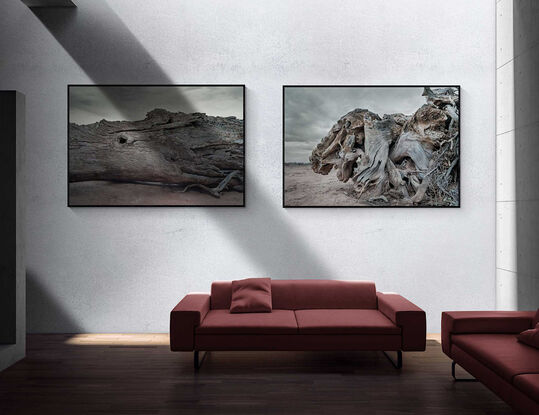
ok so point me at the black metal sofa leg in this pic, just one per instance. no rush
(453, 364)
(197, 361)
(398, 363)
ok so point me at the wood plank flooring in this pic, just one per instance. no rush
(137, 374)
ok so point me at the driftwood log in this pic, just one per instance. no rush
(397, 159)
(165, 148)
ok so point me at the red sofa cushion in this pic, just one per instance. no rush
(536, 318)
(351, 321)
(529, 384)
(223, 322)
(306, 294)
(530, 337)
(502, 353)
(251, 295)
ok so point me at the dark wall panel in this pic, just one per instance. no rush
(8, 217)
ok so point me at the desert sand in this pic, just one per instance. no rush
(303, 187)
(104, 193)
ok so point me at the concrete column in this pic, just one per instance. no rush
(517, 155)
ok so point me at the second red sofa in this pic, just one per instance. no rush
(485, 344)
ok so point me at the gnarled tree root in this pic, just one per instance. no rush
(217, 190)
(397, 159)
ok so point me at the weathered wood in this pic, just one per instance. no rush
(165, 148)
(216, 191)
(379, 135)
(397, 159)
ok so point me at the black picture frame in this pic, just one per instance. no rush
(284, 205)
(243, 204)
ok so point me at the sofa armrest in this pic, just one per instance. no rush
(409, 317)
(468, 322)
(184, 318)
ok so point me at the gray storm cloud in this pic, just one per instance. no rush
(89, 104)
(311, 111)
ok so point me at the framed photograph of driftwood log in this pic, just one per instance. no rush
(371, 146)
(156, 145)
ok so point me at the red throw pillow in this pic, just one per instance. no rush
(530, 337)
(251, 295)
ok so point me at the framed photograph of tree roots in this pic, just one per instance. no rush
(156, 145)
(371, 146)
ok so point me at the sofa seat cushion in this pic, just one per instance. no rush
(347, 321)
(502, 353)
(223, 322)
(528, 384)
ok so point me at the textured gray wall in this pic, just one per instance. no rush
(122, 270)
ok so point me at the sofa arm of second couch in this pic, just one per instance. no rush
(468, 322)
(184, 318)
(409, 317)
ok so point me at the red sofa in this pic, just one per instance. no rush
(484, 343)
(306, 315)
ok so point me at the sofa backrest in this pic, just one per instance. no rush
(536, 318)
(306, 294)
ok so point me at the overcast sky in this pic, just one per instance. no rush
(311, 112)
(88, 104)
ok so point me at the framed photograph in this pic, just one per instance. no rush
(371, 146)
(156, 145)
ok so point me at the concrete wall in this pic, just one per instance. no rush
(517, 195)
(122, 270)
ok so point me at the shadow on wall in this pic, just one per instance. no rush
(109, 53)
(104, 47)
(526, 89)
(42, 306)
(261, 231)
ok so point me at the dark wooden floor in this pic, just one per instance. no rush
(137, 374)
